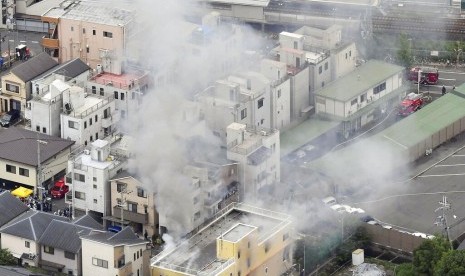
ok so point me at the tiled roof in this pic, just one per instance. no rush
(88, 221)
(70, 69)
(10, 207)
(20, 145)
(34, 67)
(123, 237)
(64, 235)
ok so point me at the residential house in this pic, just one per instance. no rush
(257, 153)
(109, 254)
(20, 153)
(362, 96)
(61, 246)
(16, 85)
(243, 240)
(132, 204)
(22, 234)
(87, 117)
(89, 172)
(93, 32)
(44, 109)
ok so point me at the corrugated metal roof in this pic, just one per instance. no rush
(361, 79)
(64, 235)
(20, 145)
(34, 67)
(10, 207)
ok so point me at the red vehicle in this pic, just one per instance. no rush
(59, 189)
(429, 75)
(411, 103)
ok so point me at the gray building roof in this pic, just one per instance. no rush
(64, 235)
(89, 222)
(18, 271)
(70, 69)
(20, 145)
(124, 237)
(364, 77)
(10, 207)
(34, 67)
(30, 225)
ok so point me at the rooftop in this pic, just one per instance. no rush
(198, 254)
(258, 3)
(10, 207)
(123, 237)
(34, 67)
(361, 79)
(125, 81)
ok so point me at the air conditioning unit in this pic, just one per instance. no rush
(86, 151)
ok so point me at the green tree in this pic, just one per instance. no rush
(404, 53)
(406, 269)
(6, 258)
(452, 263)
(428, 254)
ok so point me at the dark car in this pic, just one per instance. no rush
(9, 118)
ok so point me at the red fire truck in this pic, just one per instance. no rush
(429, 75)
(411, 103)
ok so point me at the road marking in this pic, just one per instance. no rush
(459, 155)
(453, 165)
(22, 41)
(448, 79)
(450, 174)
(405, 147)
(34, 41)
(11, 40)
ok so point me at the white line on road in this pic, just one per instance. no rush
(459, 155)
(453, 165)
(448, 79)
(22, 41)
(450, 174)
(34, 41)
(11, 40)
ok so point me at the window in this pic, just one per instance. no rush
(100, 262)
(320, 69)
(83, 30)
(354, 101)
(350, 53)
(137, 254)
(116, 94)
(279, 93)
(70, 255)
(79, 177)
(238, 254)
(197, 215)
(322, 84)
(10, 168)
(95, 201)
(196, 200)
(23, 172)
(326, 66)
(243, 113)
(49, 250)
(379, 88)
(132, 207)
(94, 32)
(80, 195)
(122, 96)
(85, 124)
(141, 192)
(120, 187)
(37, 128)
(91, 138)
(44, 130)
(96, 135)
(12, 88)
(73, 124)
(295, 44)
(107, 34)
(346, 55)
(102, 91)
(94, 186)
(94, 90)
(96, 118)
(260, 102)
(363, 97)
(27, 244)
(87, 49)
(90, 121)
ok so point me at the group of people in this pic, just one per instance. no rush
(36, 204)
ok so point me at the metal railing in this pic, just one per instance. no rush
(93, 108)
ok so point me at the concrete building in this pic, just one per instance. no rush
(258, 155)
(89, 172)
(20, 154)
(109, 254)
(242, 240)
(127, 89)
(93, 32)
(87, 117)
(361, 96)
(16, 85)
(44, 109)
(133, 205)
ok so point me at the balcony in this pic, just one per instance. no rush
(50, 43)
(125, 269)
(131, 216)
(107, 122)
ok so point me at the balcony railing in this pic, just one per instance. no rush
(131, 216)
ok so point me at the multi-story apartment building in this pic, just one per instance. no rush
(44, 109)
(16, 85)
(361, 96)
(89, 172)
(258, 155)
(20, 153)
(242, 240)
(127, 89)
(132, 204)
(87, 117)
(93, 32)
(109, 254)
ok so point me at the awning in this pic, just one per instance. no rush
(22, 192)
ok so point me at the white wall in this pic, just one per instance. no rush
(58, 257)
(16, 245)
(300, 95)
(97, 250)
(343, 61)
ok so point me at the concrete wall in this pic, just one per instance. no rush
(392, 238)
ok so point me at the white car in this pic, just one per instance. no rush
(338, 208)
(353, 210)
(329, 200)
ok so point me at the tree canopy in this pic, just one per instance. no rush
(404, 54)
(451, 264)
(428, 254)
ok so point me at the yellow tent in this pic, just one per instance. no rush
(22, 192)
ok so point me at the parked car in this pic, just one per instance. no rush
(9, 118)
(59, 189)
(329, 200)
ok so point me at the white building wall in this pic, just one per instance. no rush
(17, 245)
(281, 105)
(46, 116)
(131, 253)
(101, 251)
(343, 61)
(58, 257)
(300, 93)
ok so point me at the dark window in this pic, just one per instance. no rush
(72, 28)
(279, 93)
(44, 130)
(94, 90)
(96, 118)
(379, 88)
(83, 30)
(96, 135)
(116, 94)
(107, 34)
(100, 262)
(91, 138)
(90, 121)
(326, 65)
(122, 96)
(243, 113)
(87, 49)
(85, 124)
(80, 195)
(37, 128)
(94, 32)
(79, 177)
(141, 192)
(120, 187)
(132, 207)
(12, 88)
(49, 250)
(320, 70)
(354, 101)
(10, 168)
(70, 255)
(23, 172)
(260, 102)
(27, 244)
(102, 91)
(363, 97)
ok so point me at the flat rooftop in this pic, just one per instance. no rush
(124, 81)
(198, 254)
(361, 79)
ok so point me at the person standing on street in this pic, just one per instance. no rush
(443, 90)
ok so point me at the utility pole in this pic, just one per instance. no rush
(39, 173)
(442, 219)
